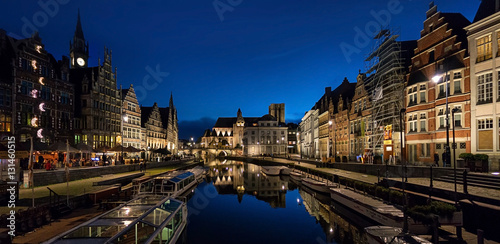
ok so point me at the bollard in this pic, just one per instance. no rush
(435, 235)
(480, 239)
(459, 233)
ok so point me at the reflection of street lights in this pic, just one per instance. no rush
(436, 79)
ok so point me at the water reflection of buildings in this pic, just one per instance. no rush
(336, 227)
(236, 178)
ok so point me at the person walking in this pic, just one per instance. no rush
(436, 159)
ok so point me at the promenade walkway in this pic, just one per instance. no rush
(473, 190)
(77, 187)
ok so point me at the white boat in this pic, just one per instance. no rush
(271, 170)
(170, 184)
(164, 218)
(319, 186)
(388, 234)
(297, 176)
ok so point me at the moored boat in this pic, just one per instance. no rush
(296, 175)
(271, 170)
(388, 234)
(145, 219)
(319, 186)
(374, 209)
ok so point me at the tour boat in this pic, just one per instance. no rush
(296, 176)
(171, 183)
(145, 219)
(388, 234)
(376, 210)
(319, 186)
(271, 170)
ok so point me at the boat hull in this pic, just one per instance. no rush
(316, 185)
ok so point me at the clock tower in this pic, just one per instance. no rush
(78, 49)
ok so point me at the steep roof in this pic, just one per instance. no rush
(486, 8)
(347, 90)
(145, 113)
(165, 114)
(124, 93)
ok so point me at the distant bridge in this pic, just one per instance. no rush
(213, 152)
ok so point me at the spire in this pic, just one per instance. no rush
(239, 114)
(171, 103)
(79, 31)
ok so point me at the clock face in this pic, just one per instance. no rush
(80, 61)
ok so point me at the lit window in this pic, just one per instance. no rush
(485, 88)
(483, 46)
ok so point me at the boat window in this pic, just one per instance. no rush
(139, 233)
(157, 216)
(93, 232)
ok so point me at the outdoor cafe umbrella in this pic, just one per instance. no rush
(118, 148)
(132, 149)
(84, 147)
(61, 146)
(162, 151)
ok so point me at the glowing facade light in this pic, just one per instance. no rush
(41, 80)
(34, 122)
(39, 133)
(39, 48)
(33, 64)
(42, 107)
(34, 93)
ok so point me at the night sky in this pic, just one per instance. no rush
(246, 55)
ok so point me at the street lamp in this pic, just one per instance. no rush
(436, 79)
(125, 119)
(403, 182)
(329, 138)
(454, 145)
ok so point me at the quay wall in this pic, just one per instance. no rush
(43, 178)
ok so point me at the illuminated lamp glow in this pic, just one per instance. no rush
(34, 93)
(34, 121)
(39, 133)
(495, 173)
(41, 80)
(33, 64)
(41, 107)
(39, 48)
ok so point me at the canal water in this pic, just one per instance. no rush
(238, 204)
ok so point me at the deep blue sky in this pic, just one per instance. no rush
(280, 51)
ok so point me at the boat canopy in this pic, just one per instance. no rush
(145, 219)
(181, 177)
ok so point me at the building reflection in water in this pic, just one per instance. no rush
(237, 178)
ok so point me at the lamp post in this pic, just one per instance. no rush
(403, 182)
(454, 146)
(330, 139)
(447, 149)
(125, 119)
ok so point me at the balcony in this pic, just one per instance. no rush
(412, 103)
(441, 94)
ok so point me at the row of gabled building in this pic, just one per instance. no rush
(57, 100)
(406, 88)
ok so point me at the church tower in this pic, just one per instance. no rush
(78, 49)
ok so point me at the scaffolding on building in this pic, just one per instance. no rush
(385, 80)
